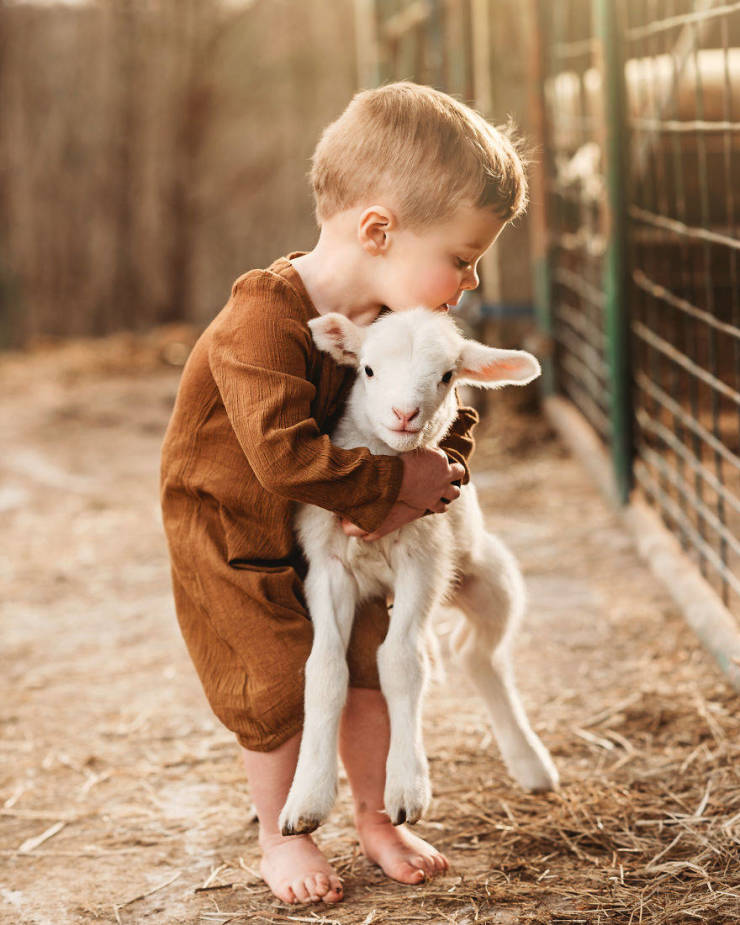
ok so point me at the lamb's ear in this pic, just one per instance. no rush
(489, 367)
(339, 337)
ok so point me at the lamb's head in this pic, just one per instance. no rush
(408, 363)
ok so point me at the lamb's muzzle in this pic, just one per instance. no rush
(409, 361)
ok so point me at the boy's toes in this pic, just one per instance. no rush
(322, 890)
(297, 872)
(301, 892)
(311, 888)
(335, 892)
(321, 885)
(285, 894)
(441, 863)
(410, 872)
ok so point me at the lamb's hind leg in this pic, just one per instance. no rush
(492, 598)
(331, 596)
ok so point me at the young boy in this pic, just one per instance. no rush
(411, 188)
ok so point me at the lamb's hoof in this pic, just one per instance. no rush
(535, 773)
(307, 806)
(411, 815)
(408, 805)
(303, 826)
(300, 817)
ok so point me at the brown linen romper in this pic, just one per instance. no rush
(246, 441)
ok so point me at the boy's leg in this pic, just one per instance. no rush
(294, 868)
(364, 738)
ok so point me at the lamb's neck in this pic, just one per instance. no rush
(356, 429)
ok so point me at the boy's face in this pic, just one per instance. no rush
(432, 267)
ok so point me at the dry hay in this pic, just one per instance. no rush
(122, 800)
(649, 832)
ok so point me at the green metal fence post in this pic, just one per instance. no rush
(609, 33)
(538, 197)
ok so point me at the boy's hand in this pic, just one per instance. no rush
(428, 479)
(428, 486)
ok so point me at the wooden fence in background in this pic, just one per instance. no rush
(151, 152)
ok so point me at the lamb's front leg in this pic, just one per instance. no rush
(331, 596)
(402, 669)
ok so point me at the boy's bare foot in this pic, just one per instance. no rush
(297, 872)
(402, 855)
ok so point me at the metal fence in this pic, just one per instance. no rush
(635, 113)
(640, 128)
(580, 224)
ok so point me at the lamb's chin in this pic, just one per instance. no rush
(402, 442)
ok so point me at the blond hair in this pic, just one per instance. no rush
(424, 149)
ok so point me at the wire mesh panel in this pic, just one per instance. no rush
(576, 206)
(674, 68)
(683, 88)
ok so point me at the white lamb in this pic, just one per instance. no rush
(408, 364)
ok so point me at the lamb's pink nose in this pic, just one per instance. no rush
(405, 417)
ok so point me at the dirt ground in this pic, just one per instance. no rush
(123, 800)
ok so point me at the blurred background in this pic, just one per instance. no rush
(153, 150)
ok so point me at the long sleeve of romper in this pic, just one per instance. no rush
(260, 357)
(459, 443)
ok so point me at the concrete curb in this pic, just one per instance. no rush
(702, 608)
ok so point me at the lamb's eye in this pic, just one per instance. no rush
(447, 376)
(368, 372)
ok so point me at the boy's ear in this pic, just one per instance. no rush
(339, 337)
(373, 227)
(489, 367)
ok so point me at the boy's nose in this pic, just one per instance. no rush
(405, 417)
(471, 280)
